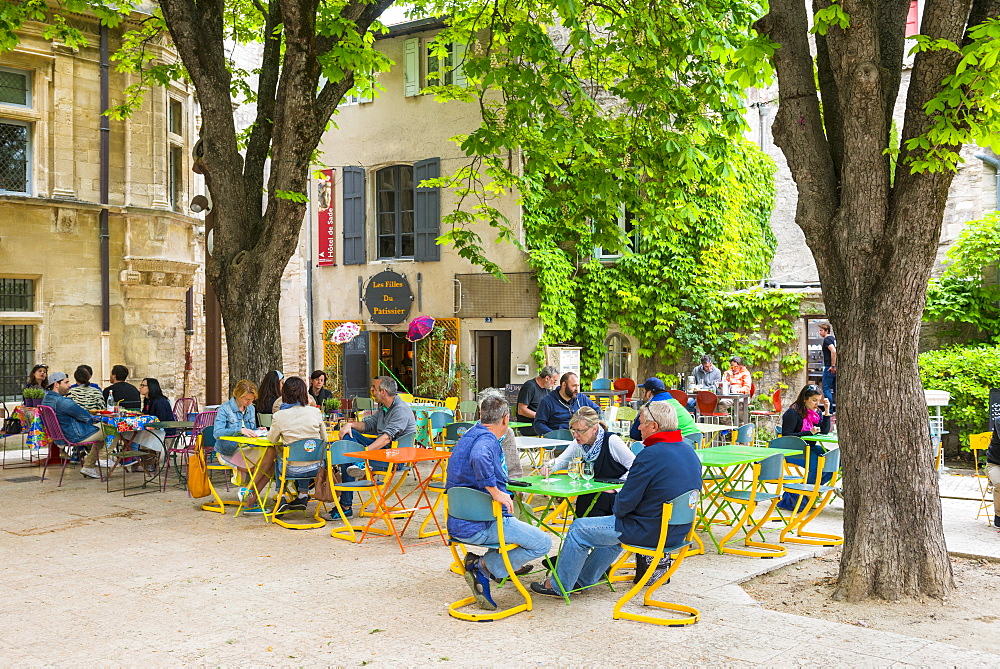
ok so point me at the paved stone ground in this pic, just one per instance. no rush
(91, 577)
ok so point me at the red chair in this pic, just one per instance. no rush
(186, 447)
(680, 396)
(756, 416)
(55, 434)
(706, 401)
(184, 406)
(627, 385)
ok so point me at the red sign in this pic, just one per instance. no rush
(327, 250)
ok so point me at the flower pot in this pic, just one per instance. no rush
(32, 401)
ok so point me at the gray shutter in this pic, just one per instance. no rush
(354, 216)
(426, 211)
(411, 67)
(356, 371)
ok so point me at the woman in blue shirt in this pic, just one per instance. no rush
(238, 418)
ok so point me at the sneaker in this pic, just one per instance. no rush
(107, 464)
(542, 589)
(479, 583)
(242, 493)
(356, 472)
(252, 510)
(298, 504)
(335, 514)
(524, 570)
(471, 559)
(91, 472)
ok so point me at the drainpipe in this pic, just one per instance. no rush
(104, 233)
(309, 281)
(990, 160)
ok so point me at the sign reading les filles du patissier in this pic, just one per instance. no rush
(388, 298)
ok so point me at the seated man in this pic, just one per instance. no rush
(653, 390)
(76, 422)
(555, 409)
(125, 394)
(477, 461)
(393, 419)
(666, 468)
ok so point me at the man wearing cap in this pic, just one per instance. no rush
(653, 390)
(76, 422)
(556, 408)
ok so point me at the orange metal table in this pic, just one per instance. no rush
(394, 457)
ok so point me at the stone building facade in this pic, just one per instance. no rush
(50, 233)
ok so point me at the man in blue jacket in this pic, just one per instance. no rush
(477, 461)
(76, 422)
(556, 408)
(666, 468)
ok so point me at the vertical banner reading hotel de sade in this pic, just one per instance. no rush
(326, 251)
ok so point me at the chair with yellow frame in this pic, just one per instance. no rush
(794, 471)
(978, 443)
(406, 397)
(335, 457)
(768, 472)
(475, 505)
(467, 410)
(361, 405)
(307, 453)
(807, 508)
(206, 440)
(451, 403)
(681, 510)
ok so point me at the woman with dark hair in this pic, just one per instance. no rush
(39, 377)
(153, 404)
(316, 390)
(84, 392)
(297, 420)
(804, 419)
(270, 391)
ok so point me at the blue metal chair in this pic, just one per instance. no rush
(679, 511)
(475, 505)
(303, 450)
(637, 447)
(769, 471)
(335, 457)
(806, 509)
(453, 432)
(601, 384)
(744, 435)
(437, 423)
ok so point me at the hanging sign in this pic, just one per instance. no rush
(388, 298)
(326, 248)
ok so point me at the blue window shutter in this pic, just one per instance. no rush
(426, 211)
(354, 216)
(411, 67)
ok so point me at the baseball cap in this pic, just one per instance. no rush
(56, 377)
(653, 383)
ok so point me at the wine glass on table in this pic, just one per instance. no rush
(574, 472)
(543, 455)
(587, 471)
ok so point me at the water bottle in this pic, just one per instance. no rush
(111, 401)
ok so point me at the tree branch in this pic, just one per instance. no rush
(259, 143)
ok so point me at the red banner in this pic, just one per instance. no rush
(326, 250)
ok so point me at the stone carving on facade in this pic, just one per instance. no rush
(157, 272)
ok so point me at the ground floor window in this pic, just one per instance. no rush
(17, 355)
(616, 357)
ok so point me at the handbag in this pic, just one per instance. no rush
(642, 565)
(11, 424)
(323, 491)
(198, 483)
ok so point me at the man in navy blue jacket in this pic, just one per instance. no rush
(556, 408)
(665, 469)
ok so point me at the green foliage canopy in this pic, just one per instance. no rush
(968, 373)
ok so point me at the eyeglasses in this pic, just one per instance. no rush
(580, 430)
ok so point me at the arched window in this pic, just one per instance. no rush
(616, 356)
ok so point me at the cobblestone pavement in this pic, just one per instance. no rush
(95, 578)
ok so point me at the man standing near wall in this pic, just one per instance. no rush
(531, 394)
(829, 363)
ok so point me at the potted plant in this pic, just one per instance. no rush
(331, 407)
(32, 396)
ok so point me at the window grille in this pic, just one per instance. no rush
(17, 295)
(485, 296)
(13, 156)
(14, 88)
(17, 353)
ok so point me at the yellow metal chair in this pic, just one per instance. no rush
(303, 450)
(475, 505)
(350, 532)
(438, 487)
(978, 443)
(767, 472)
(206, 440)
(679, 511)
(806, 509)
(451, 403)
(406, 397)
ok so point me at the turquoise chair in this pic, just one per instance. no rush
(454, 431)
(601, 384)
(637, 446)
(769, 471)
(744, 435)
(303, 450)
(437, 422)
(807, 508)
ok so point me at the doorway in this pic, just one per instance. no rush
(394, 357)
(492, 358)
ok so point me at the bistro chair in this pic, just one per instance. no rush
(744, 434)
(706, 401)
(601, 384)
(436, 424)
(451, 403)
(559, 434)
(184, 407)
(680, 396)
(303, 450)
(406, 397)
(679, 511)
(977, 444)
(124, 455)
(207, 438)
(185, 448)
(768, 471)
(757, 416)
(453, 432)
(796, 467)
(348, 531)
(637, 447)
(628, 385)
(475, 505)
(53, 431)
(264, 419)
(809, 494)
(361, 405)
(467, 409)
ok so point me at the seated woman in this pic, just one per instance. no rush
(804, 419)
(39, 377)
(237, 418)
(297, 420)
(84, 394)
(606, 451)
(153, 404)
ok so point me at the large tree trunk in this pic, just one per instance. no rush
(874, 243)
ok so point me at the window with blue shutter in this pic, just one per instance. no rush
(427, 210)
(354, 216)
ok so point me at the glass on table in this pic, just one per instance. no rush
(587, 471)
(545, 454)
(574, 471)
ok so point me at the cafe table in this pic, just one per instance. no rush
(830, 441)
(422, 417)
(713, 429)
(393, 458)
(741, 405)
(561, 488)
(730, 461)
(535, 446)
(34, 431)
(248, 446)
